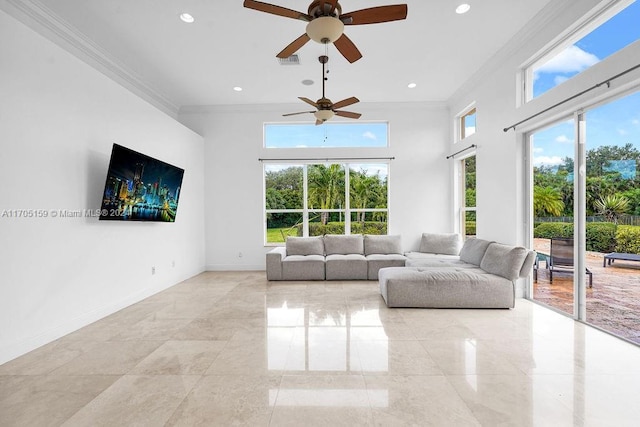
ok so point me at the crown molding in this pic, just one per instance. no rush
(39, 18)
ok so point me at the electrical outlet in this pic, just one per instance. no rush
(153, 270)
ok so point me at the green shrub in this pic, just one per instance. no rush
(367, 227)
(628, 239)
(470, 228)
(601, 236)
(547, 230)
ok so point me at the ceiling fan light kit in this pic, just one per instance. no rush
(324, 115)
(326, 23)
(325, 29)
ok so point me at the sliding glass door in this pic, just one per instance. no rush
(586, 225)
(612, 235)
(552, 207)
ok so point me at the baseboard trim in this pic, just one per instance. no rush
(23, 347)
(233, 267)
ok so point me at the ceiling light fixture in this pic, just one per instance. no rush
(412, 85)
(325, 29)
(463, 8)
(237, 89)
(323, 115)
(185, 17)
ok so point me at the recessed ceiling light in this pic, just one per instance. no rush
(307, 82)
(411, 85)
(185, 17)
(237, 89)
(463, 8)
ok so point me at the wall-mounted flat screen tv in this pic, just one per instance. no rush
(140, 188)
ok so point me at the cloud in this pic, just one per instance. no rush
(622, 132)
(563, 139)
(571, 60)
(635, 122)
(469, 130)
(369, 135)
(538, 150)
(560, 79)
(548, 161)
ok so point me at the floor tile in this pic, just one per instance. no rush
(135, 400)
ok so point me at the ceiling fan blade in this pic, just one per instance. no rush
(293, 46)
(308, 101)
(348, 114)
(295, 114)
(346, 47)
(345, 102)
(375, 15)
(276, 10)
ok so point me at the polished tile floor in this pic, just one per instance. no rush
(230, 348)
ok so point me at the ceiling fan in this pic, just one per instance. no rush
(325, 109)
(326, 23)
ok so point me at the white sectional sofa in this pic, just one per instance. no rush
(334, 257)
(482, 275)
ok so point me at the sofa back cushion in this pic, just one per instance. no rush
(441, 243)
(382, 244)
(473, 250)
(338, 244)
(304, 246)
(504, 260)
(527, 265)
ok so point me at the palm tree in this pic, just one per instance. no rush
(547, 201)
(326, 188)
(612, 206)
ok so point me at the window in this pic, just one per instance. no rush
(605, 32)
(329, 135)
(468, 124)
(316, 199)
(467, 196)
(313, 198)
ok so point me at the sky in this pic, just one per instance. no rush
(616, 123)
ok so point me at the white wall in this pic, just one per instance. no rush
(419, 176)
(501, 195)
(58, 121)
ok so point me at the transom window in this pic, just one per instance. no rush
(467, 123)
(605, 32)
(329, 135)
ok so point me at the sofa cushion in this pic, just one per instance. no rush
(441, 243)
(473, 250)
(346, 267)
(304, 246)
(337, 244)
(382, 245)
(504, 260)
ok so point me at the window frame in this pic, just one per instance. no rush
(580, 29)
(460, 122)
(347, 211)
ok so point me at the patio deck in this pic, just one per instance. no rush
(613, 303)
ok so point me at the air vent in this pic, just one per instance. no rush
(292, 60)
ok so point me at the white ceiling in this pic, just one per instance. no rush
(229, 45)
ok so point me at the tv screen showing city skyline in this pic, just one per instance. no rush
(140, 188)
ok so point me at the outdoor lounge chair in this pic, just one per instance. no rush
(561, 258)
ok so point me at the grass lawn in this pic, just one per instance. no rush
(274, 235)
